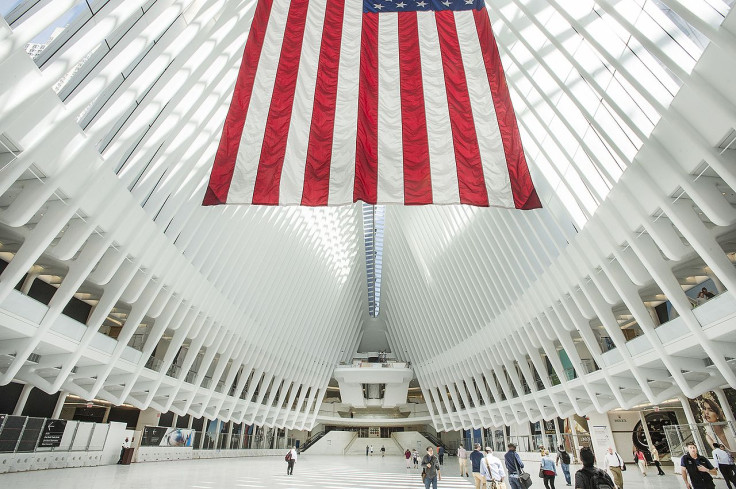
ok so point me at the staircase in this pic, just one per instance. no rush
(311, 441)
(435, 441)
(357, 447)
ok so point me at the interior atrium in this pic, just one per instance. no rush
(126, 305)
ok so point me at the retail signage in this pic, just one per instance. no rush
(160, 436)
(53, 430)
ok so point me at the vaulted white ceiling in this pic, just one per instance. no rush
(627, 110)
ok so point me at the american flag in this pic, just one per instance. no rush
(384, 101)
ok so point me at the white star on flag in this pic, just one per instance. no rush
(446, 4)
(421, 4)
(401, 5)
(377, 6)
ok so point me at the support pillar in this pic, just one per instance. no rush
(18, 411)
(107, 413)
(59, 404)
(28, 282)
(726, 408)
(691, 421)
(175, 420)
(645, 428)
(575, 442)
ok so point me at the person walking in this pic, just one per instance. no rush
(513, 467)
(615, 465)
(383, 451)
(590, 476)
(407, 456)
(698, 468)
(371, 450)
(431, 469)
(563, 459)
(415, 456)
(441, 453)
(290, 461)
(476, 458)
(641, 461)
(366, 450)
(724, 462)
(462, 460)
(548, 469)
(655, 460)
(491, 469)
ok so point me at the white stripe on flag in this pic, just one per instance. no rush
(390, 144)
(439, 132)
(292, 173)
(342, 167)
(249, 153)
(495, 168)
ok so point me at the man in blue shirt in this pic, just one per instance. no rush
(513, 466)
(475, 460)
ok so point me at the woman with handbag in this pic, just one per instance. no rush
(547, 470)
(430, 469)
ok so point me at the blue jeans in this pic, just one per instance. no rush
(514, 482)
(566, 471)
(430, 482)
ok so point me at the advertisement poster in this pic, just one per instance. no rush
(159, 436)
(177, 437)
(52, 433)
(579, 429)
(707, 409)
(602, 438)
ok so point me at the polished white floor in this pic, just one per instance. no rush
(349, 472)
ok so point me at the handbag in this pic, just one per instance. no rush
(623, 464)
(424, 475)
(541, 473)
(524, 477)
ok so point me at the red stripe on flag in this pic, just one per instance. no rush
(471, 182)
(268, 178)
(366, 150)
(525, 196)
(319, 151)
(227, 151)
(417, 174)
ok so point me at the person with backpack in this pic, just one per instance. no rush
(491, 468)
(290, 461)
(698, 468)
(514, 467)
(430, 469)
(563, 459)
(590, 476)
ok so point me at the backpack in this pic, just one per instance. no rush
(598, 479)
(288, 456)
(565, 458)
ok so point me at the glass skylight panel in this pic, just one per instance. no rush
(373, 222)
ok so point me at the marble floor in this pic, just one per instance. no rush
(316, 471)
